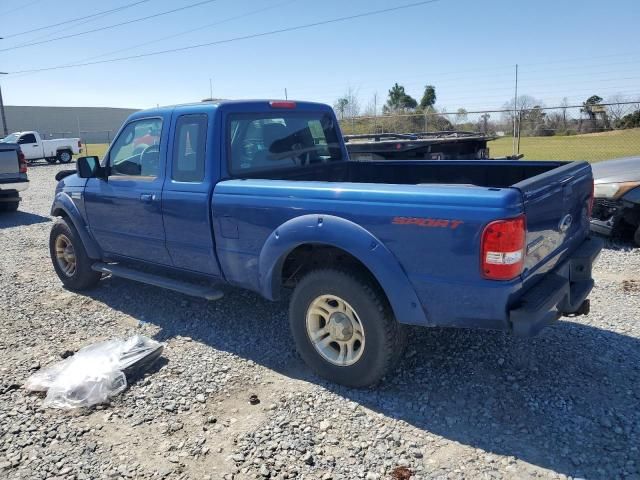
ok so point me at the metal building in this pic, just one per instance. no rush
(91, 124)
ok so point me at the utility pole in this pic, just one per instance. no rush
(375, 112)
(210, 88)
(286, 95)
(4, 117)
(515, 113)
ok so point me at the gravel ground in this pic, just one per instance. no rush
(462, 404)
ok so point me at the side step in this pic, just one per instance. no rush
(162, 282)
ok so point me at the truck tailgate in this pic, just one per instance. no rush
(9, 162)
(556, 205)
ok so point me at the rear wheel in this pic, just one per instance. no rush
(64, 156)
(51, 160)
(343, 328)
(69, 257)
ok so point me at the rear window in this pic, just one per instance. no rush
(268, 141)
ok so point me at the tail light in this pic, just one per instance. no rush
(79, 143)
(283, 104)
(22, 162)
(502, 248)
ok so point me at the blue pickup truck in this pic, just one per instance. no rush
(262, 195)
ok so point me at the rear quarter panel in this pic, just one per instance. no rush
(433, 232)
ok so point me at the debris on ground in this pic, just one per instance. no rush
(96, 373)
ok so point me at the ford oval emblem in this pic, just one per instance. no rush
(565, 223)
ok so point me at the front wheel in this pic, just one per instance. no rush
(343, 328)
(69, 257)
(64, 156)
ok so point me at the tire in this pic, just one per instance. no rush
(51, 160)
(366, 362)
(80, 277)
(64, 156)
(9, 206)
(636, 236)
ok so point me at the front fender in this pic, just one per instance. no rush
(352, 238)
(63, 206)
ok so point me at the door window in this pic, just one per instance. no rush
(27, 138)
(136, 151)
(189, 148)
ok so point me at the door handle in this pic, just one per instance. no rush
(147, 197)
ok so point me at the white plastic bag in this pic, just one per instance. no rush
(95, 373)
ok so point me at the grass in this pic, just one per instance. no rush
(98, 149)
(592, 147)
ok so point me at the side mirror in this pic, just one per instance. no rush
(88, 167)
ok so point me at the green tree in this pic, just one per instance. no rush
(398, 99)
(591, 106)
(340, 106)
(429, 97)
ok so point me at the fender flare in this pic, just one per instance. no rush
(340, 233)
(63, 206)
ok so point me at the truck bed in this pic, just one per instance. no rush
(429, 214)
(482, 173)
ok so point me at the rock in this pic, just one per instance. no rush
(200, 398)
(324, 425)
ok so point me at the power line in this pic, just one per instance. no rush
(104, 12)
(185, 32)
(19, 8)
(107, 27)
(235, 39)
(191, 30)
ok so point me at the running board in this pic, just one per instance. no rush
(158, 281)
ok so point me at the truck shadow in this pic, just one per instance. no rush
(19, 218)
(567, 400)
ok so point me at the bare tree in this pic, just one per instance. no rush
(616, 108)
(371, 109)
(461, 116)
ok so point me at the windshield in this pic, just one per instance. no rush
(13, 138)
(266, 141)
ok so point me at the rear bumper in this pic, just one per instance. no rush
(563, 291)
(13, 185)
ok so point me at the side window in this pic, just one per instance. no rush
(27, 139)
(136, 151)
(189, 148)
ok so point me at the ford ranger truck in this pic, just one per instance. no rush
(262, 195)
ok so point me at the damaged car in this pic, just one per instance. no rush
(616, 209)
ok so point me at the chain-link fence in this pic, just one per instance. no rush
(95, 136)
(591, 132)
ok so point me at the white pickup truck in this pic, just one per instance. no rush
(35, 148)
